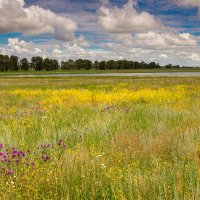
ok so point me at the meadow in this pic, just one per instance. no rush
(95, 71)
(99, 138)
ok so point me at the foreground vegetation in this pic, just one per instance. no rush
(103, 138)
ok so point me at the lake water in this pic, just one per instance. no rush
(170, 74)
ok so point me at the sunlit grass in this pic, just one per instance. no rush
(93, 71)
(100, 138)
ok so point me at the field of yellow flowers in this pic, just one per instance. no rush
(99, 138)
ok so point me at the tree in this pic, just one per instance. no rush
(36, 63)
(71, 64)
(102, 65)
(87, 64)
(46, 64)
(4, 63)
(169, 66)
(152, 65)
(110, 64)
(13, 64)
(96, 65)
(49, 64)
(24, 64)
(79, 64)
(176, 66)
(55, 65)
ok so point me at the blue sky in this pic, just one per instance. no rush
(164, 31)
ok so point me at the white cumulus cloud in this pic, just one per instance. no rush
(126, 19)
(195, 57)
(163, 56)
(20, 47)
(34, 20)
(169, 40)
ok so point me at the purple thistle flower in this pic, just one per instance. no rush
(15, 152)
(9, 172)
(14, 156)
(46, 158)
(1, 146)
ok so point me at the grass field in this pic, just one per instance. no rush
(99, 138)
(162, 70)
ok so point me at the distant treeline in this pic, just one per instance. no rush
(13, 63)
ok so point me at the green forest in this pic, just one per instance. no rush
(37, 63)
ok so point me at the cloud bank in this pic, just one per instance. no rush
(126, 19)
(106, 30)
(34, 20)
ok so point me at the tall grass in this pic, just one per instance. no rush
(100, 138)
